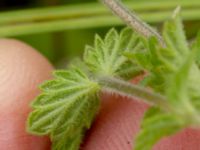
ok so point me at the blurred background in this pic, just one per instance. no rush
(60, 29)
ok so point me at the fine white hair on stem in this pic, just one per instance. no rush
(118, 86)
(131, 19)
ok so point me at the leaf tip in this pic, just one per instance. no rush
(176, 12)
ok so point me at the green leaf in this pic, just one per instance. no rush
(174, 34)
(178, 86)
(66, 107)
(106, 57)
(173, 72)
(162, 62)
(176, 52)
(182, 78)
(156, 125)
(183, 83)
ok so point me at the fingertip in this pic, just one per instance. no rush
(22, 68)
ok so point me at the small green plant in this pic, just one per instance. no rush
(69, 103)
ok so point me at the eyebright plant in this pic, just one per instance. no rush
(69, 103)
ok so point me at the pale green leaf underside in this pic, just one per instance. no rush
(66, 107)
(106, 57)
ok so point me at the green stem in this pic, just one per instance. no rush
(121, 87)
(87, 22)
(89, 9)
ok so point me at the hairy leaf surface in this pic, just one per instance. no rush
(65, 108)
(106, 57)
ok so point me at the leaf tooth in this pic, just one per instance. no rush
(38, 100)
(174, 35)
(55, 85)
(99, 48)
(91, 59)
(130, 41)
(62, 74)
(66, 87)
(111, 40)
(70, 76)
(49, 106)
(126, 36)
(80, 74)
(138, 45)
(48, 84)
(62, 95)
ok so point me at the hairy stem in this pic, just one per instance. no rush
(132, 19)
(121, 87)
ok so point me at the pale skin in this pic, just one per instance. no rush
(22, 69)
